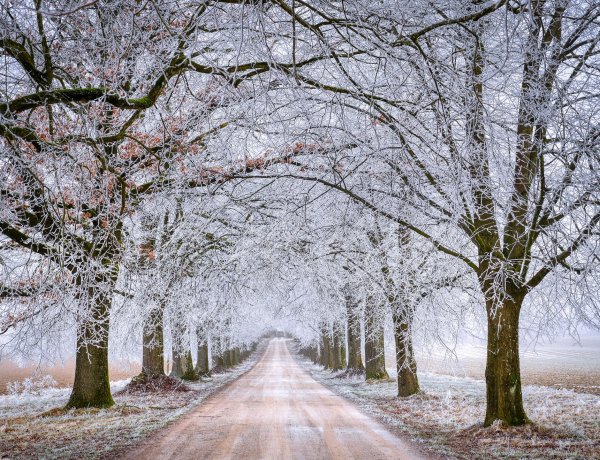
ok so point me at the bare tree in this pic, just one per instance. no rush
(501, 164)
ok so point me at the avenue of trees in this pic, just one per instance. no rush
(178, 177)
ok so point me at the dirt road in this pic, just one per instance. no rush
(275, 411)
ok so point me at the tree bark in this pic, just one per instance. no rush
(202, 364)
(326, 352)
(222, 360)
(179, 363)
(91, 387)
(315, 354)
(226, 358)
(406, 365)
(183, 367)
(337, 348)
(153, 359)
(374, 345)
(189, 373)
(217, 352)
(502, 372)
(222, 357)
(354, 346)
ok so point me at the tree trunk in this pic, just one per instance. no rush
(202, 364)
(408, 383)
(178, 352)
(354, 345)
(223, 354)
(326, 354)
(189, 373)
(153, 360)
(374, 346)
(312, 353)
(315, 354)
(502, 372)
(222, 360)
(91, 387)
(226, 358)
(215, 349)
(179, 363)
(337, 348)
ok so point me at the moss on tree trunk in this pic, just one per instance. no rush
(338, 362)
(202, 364)
(374, 346)
(178, 360)
(406, 365)
(326, 349)
(189, 373)
(215, 350)
(91, 387)
(153, 360)
(502, 372)
(354, 345)
(183, 367)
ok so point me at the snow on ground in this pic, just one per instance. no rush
(562, 363)
(32, 403)
(28, 430)
(445, 419)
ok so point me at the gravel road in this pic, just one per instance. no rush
(275, 411)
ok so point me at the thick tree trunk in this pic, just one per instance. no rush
(354, 346)
(189, 373)
(215, 349)
(310, 352)
(153, 359)
(326, 352)
(202, 364)
(219, 361)
(408, 383)
(183, 367)
(223, 354)
(337, 348)
(315, 354)
(226, 358)
(502, 372)
(374, 346)
(91, 387)
(179, 363)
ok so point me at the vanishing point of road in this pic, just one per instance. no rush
(275, 411)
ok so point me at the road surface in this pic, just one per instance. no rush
(275, 411)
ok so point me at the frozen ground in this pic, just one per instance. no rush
(446, 418)
(30, 428)
(562, 364)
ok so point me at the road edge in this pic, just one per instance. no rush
(125, 452)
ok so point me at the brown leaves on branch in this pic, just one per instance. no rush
(220, 174)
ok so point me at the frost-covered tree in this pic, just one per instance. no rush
(103, 106)
(486, 115)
